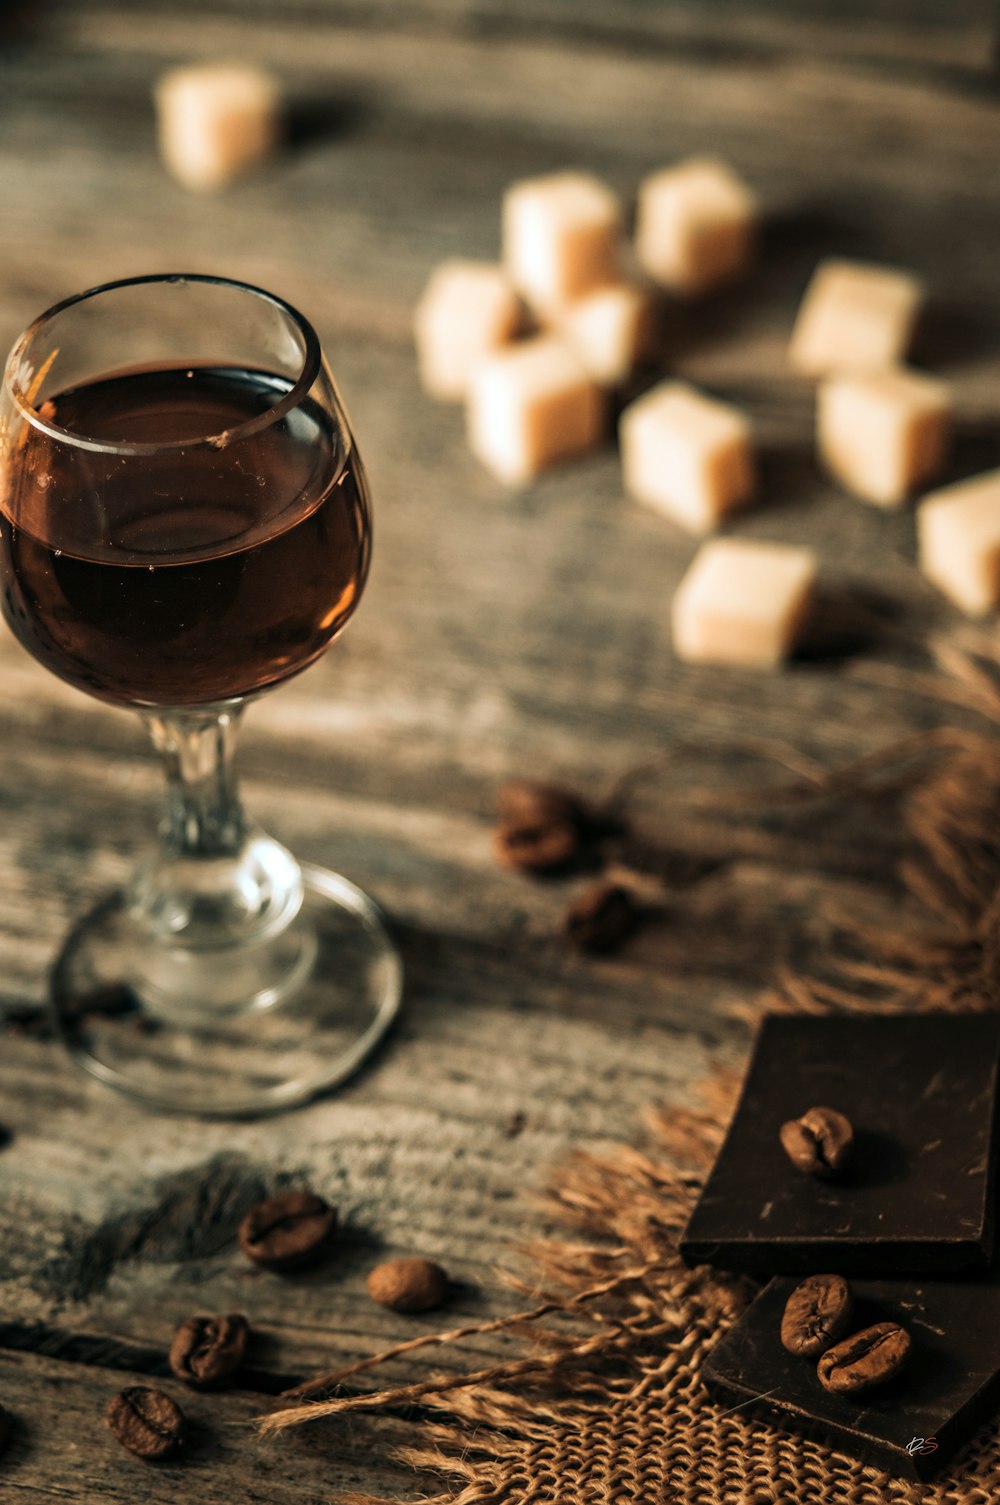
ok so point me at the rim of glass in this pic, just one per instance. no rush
(311, 366)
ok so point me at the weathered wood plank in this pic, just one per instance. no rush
(418, 1156)
(527, 92)
(62, 1450)
(902, 33)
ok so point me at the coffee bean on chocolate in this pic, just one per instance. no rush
(287, 1231)
(536, 848)
(206, 1351)
(529, 802)
(869, 1357)
(600, 918)
(819, 1143)
(817, 1313)
(408, 1285)
(145, 1421)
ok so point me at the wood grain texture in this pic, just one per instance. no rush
(898, 33)
(500, 633)
(62, 1450)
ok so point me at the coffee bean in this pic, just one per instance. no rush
(28, 1023)
(539, 826)
(408, 1285)
(600, 918)
(529, 802)
(538, 848)
(287, 1231)
(113, 1000)
(207, 1350)
(819, 1143)
(869, 1357)
(816, 1314)
(145, 1421)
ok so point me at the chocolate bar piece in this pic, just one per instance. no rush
(917, 1196)
(910, 1425)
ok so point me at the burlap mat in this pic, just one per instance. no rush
(603, 1404)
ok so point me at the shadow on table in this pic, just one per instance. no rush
(844, 623)
(791, 243)
(950, 332)
(312, 118)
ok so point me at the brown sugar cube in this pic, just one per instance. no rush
(742, 603)
(530, 405)
(215, 120)
(958, 532)
(560, 238)
(467, 309)
(882, 433)
(610, 331)
(854, 317)
(696, 226)
(686, 454)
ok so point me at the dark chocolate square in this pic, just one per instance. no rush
(921, 1092)
(911, 1425)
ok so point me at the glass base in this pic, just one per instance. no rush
(307, 1011)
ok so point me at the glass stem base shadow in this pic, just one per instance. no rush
(225, 978)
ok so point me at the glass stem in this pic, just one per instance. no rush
(216, 881)
(204, 817)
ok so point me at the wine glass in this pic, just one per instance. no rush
(185, 523)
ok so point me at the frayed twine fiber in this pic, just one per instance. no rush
(605, 1406)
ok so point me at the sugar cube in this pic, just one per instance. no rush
(560, 237)
(854, 317)
(467, 309)
(610, 330)
(216, 120)
(882, 433)
(529, 405)
(696, 226)
(742, 603)
(687, 454)
(958, 531)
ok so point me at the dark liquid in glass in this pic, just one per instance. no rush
(191, 575)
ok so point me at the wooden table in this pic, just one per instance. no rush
(501, 633)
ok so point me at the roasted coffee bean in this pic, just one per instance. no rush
(529, 802)
(539, 848)
(147, 1422)
(408, 1285)
(28, 1022)
(288, 1230)
(539, 826)
(817, 1313)
(869, 1357)
(819, 1143)
(207, 1350)
(111, 1001)
(600, 918)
